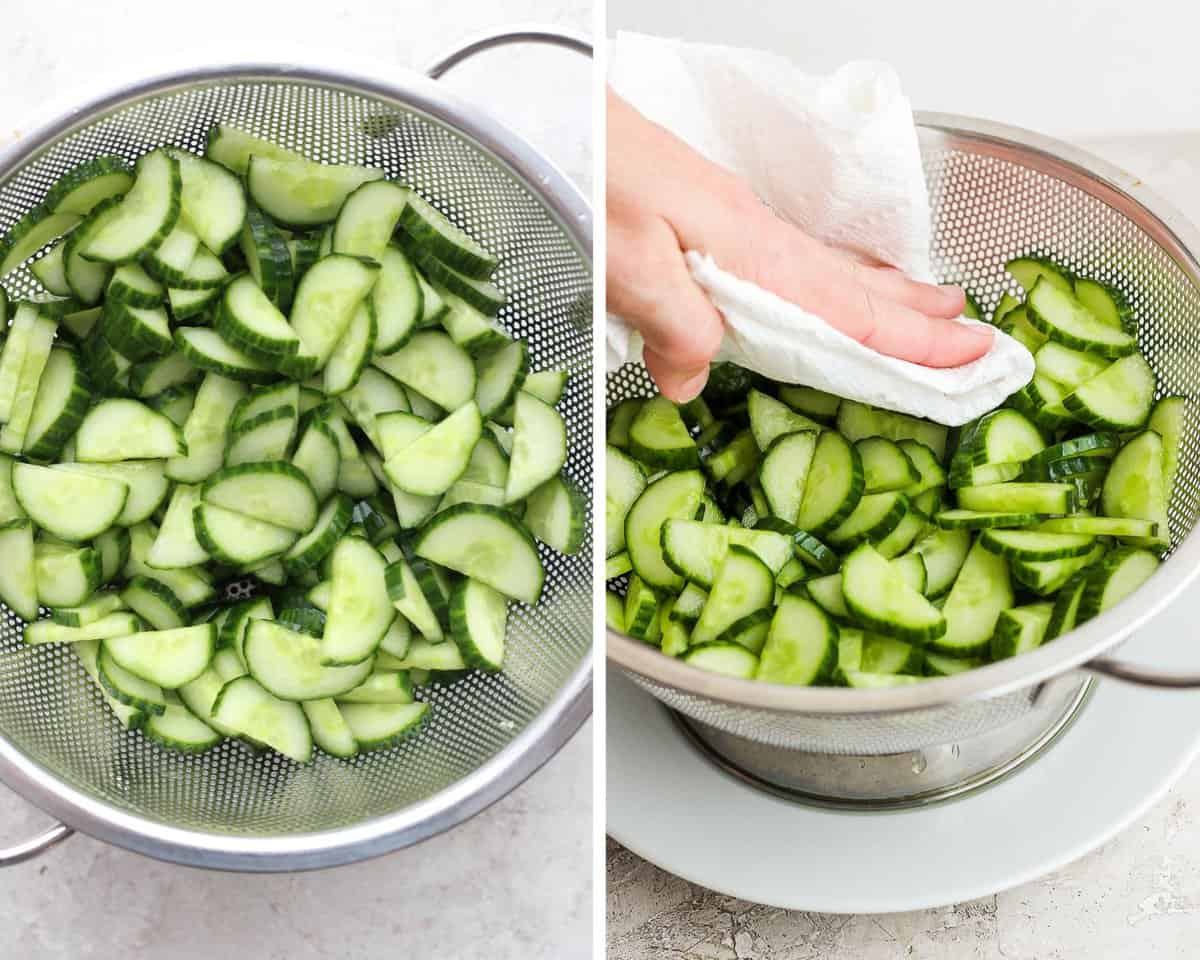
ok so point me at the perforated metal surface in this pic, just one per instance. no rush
(992, 199)
(50, 711)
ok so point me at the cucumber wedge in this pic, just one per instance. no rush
(126, 430)
(302, 193)
(360, 610)
(288, 664)
(142, 218)
(243, 705)
(485, 543)
(878, 596)
(166, 658)
(72, 506)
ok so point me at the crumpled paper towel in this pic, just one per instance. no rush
(838, 156)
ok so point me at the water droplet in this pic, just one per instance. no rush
(919, 763)
(954, 751)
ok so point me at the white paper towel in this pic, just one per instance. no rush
(838, 156)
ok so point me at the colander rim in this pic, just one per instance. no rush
(543, 736)
(1169, 229)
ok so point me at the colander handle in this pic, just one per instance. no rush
(1142, 676)
(20, 852)
(501, 38)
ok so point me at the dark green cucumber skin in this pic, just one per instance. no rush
(312, 557)
(229, 327)
(199, 359)
(460, 630)
(487, 301)
(808, 548)
(1047, 327)
(408, 733)
(274, 258)
(168, 224)
(128, 335)
(858, 484)
(1092, 598)
(77, 176)
(49, 445)
(468, 263)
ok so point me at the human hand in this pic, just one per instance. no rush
(663, 198)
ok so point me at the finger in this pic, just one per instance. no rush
(650, 286)
(675, 384)
(897, 331)
(927, 298)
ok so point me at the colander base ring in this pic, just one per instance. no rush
(896, 781)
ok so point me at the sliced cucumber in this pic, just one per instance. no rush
(63, 396)
(243, 705)
(153, 602)
(1135, 487)
(251, 323)
(165, 658)
(485, 543)
(237, 539)
(1042, 498)
(430, 464)
(478, 623)
(274, 492)
(1020, 629)
(1112, 579)
(66, 577)
(783, 472)
(695, 549)
(360, 610)
(301, 193)
(857, 421)
(142, 218)
(1035, 545)
(1120, 398)
(380, 726)
(209, 351)
(433, 365)
(126, 430)
(834, 485)
(18, 576)
(176, 544)
(556, 513)
(71, 505)
(878, 596)
(1057, 314)
(212, 200)
(288, 664)
(801, 644)
(368, 219)
(33, 231)
(728, 659)
(624, 482)
(981, 591)
(744, 585)
(233, 148)
(770, 419)
(307, 552)
(398, 300)
(204, 432)
(268, 258)
(329, 728)
(177, 728)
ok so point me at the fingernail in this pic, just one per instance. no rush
(690, 388)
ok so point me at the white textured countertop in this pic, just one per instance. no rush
(1138, 896)
(515, 882)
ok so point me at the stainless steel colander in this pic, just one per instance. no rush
(996, 192)
(61, 748)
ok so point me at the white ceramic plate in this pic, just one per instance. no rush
(1127, 746)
